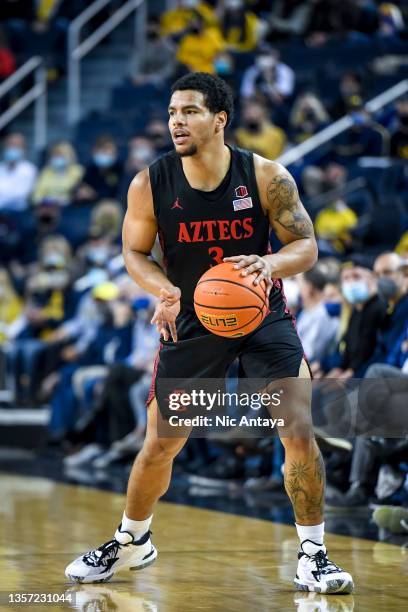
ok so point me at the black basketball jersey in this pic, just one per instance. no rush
(197, 229)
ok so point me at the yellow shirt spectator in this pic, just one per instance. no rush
(177, 20)
(197, 51)
(334, 224)
(60, 177)
(269, 142)
(245, 40)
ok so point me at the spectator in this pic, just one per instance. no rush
(307, 117)
(367, 316)
(383, 385)
(316, 328)
(60, 177)
(93, 257)
(351, 95)
(17, 175)
(239, 26)
(175, 21)
(156, 63)
(141, 153)
(224, 65)
(334, 223)
(392, 287)
(111, 342)
(157, 131)
(399, 139)
(268, 77)
(10, 306)
(103, 174)
(364, 138)
(47, 298)
(391, 19)
(258, 134)
(199, 47)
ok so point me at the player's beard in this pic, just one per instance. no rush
(192, 150)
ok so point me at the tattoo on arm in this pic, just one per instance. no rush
(283, 196)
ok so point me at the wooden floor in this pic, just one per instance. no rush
(207, 560)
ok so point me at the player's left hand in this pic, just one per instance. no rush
(254, 264)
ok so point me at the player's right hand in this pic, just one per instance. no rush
(166, 312)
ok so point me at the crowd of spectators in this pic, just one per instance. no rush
(75, 331)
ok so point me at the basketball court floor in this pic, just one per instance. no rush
(208, 560)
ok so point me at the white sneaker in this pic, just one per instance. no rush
(123, 552)
(317, 573)
(86, 455)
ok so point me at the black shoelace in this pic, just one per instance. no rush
(107, 552)
(323, 564)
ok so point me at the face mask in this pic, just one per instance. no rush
(59, 162)
(13, 154)
(333, 309)
(359, 119)
(141, 154)
(387, 288)
(252, 125)
(355, 292)
(233, 5)
(53, 259)
(98, 255)
(265, 62)
(292, 294)
(222, 66)
(141, 303)
(103, 160)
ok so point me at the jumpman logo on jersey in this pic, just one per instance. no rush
(177, 205)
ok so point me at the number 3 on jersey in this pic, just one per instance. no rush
(216, 254)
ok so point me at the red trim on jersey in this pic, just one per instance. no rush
(161, 242)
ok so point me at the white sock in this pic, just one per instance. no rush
(311, 532)
(136, 528)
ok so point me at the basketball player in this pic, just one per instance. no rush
(210, 202)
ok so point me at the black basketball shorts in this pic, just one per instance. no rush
(272, 351)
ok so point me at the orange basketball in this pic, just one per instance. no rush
(229, 304)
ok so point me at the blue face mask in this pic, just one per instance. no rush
(58, 162)
(103, 160)
(13, 154)
(355, 292)
(221, 66)
(333, 309)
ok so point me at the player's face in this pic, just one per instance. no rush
(191, 123)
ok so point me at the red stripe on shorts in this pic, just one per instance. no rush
(152, 390)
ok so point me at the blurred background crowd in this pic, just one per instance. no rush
(75, 331)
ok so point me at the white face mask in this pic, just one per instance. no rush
(191, 4)
(265, 62)
(233, 4)
(141, 154)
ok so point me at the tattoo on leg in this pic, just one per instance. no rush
(304, 483)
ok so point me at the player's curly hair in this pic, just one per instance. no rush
(218, 95)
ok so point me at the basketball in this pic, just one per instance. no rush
(228, 304)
